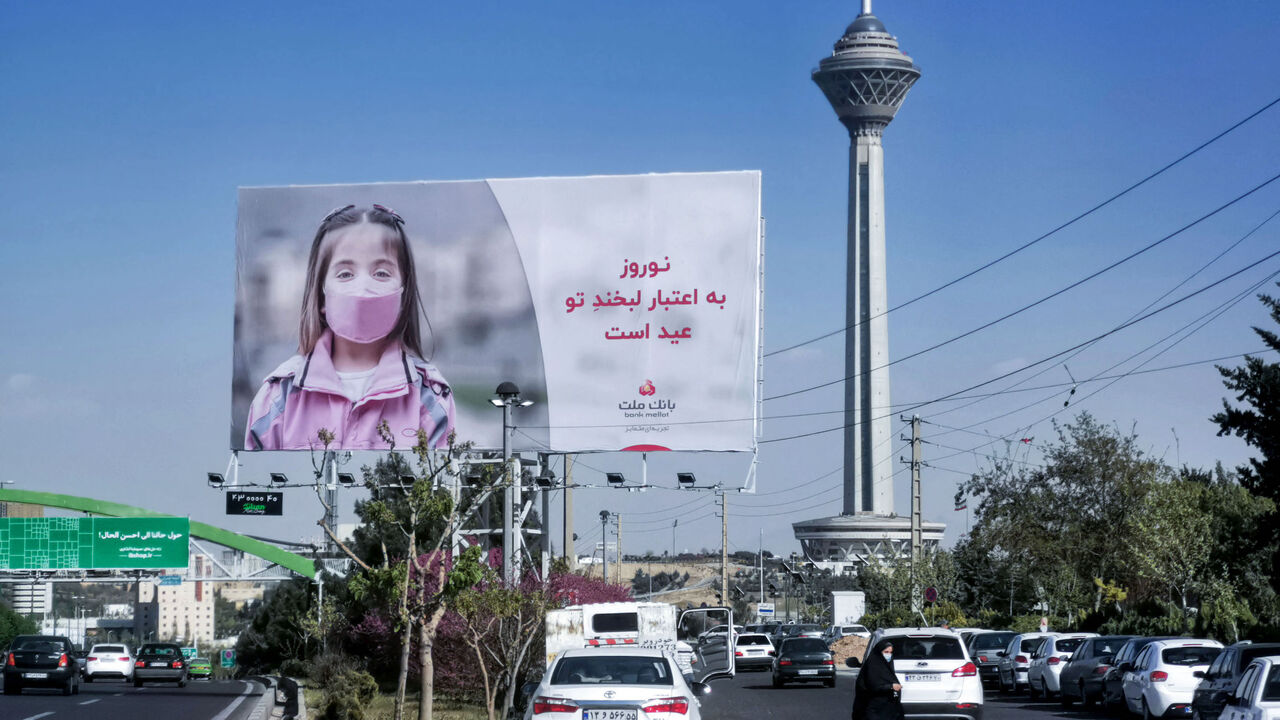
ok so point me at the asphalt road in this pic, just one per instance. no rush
(108, 700)
(750, 696)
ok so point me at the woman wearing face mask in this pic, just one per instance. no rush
(877, 691)
(360, 359)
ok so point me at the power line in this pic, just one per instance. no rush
(1040, 301)
(1052, 232)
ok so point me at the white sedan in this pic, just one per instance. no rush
(615, 683)
(1162, 678)
(1257, 694)
(108, 661)
(1048, 660)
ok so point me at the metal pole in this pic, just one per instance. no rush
(508, 498)
(761, 565)
(916, 538)
(618, 520)
(330, 476)
(604, 545)
(570, 552)
(724, 548)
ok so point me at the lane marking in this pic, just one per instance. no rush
(37, 717)
(90, 702)
(226, 713)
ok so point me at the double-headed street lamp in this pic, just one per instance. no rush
(507, 397)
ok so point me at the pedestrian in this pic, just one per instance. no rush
(877, 693)
(360, 373)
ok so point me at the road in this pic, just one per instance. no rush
(199, 700)
(750, 696)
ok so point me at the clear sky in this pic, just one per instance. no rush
(127, 128)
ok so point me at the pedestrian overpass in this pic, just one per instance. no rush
(252, 560)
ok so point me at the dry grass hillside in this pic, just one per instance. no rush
(699, 588)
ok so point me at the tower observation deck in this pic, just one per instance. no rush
(865, 79)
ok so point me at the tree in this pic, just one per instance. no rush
(276, 635)
(12, 625)
(1174, 534)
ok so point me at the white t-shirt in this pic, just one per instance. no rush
(354, 384)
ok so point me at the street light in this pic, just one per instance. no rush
(546, 479)
(615, 479)
(686, 480)
(279, 479)
(346, 479)
(216, 480)
(507, 396)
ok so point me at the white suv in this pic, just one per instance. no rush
(938, 678)
(1162, 678)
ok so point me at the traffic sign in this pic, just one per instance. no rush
(228, 658)
(190, 652)
(170, 580)
(764, 609)
(931, 595)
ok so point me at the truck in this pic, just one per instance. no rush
(644, 624)
(847, 606)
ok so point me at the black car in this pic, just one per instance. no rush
(1081, 678)
(1220, 679)
(1112, 692)
(984, 648)
(804, 660)
(41, 661)
(160, 662)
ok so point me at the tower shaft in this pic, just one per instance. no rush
(868, 467)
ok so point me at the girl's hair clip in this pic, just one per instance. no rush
(394, 215)
(335, 212)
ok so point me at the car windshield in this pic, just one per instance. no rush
(797, 629)
(1271, 691)
(991, 641)
(1107, 646)
(850, 629)
(1067, 644)
(770, 628)
(201, 661)
(927, 648)
(1195, 655)
(43, 645)
(109, 649)
(753, 640)
(805, 645)
(1030, 645)
(159, 650)
(612, 670)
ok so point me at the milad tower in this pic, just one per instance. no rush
(865, 79)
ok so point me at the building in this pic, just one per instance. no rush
(865, 79)
(20, 510)
(33, 598)
(179, 613)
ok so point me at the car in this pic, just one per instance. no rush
(938, 678)
(1112, 694)
(719, 633)
(835, 632)
(1161, 681)
(1081, 678)
(1224, 674)
(753, 650)
(982, 648)
(795, 630)
(803, 659)
(199, 667)
(108, 661)
(601, 683)
(160, 662)
(1049, 659)
(1015, 660)
(41, 661)
(81, 657)
(1257, 695)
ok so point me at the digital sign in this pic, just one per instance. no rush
(255, 503)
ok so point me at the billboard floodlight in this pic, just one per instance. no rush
(279, 478)
(686, 480)
(216, 480)
(615, 479)
(407, 480)
(346, 479)
(546, 479)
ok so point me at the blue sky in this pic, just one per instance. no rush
(128, 127)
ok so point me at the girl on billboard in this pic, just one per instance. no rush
(360, 358)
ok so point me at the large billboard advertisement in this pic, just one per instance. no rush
(93, 543)
(625, 307)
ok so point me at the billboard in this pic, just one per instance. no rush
(625, 307)
(93, 543)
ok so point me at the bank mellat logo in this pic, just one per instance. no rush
(648, 388)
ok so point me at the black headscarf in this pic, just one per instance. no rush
(874, 697)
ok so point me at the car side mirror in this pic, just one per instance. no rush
(1107, 659)
(522, 697)
(700, 689)
(853, 662)
(1125, 667)
(1198, 673)
(1001, 653)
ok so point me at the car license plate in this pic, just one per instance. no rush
(35, 676)
(608, 715)
(923, 677)
(159, 664)
(808, 672)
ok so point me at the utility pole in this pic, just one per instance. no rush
(570, 551)
(761, 567)
(617, 519)
(724, 547)
(604, 545)
(916, 541)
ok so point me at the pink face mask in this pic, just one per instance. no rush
(362, 318)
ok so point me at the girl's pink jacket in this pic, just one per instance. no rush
(304, 395)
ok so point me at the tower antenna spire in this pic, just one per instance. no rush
(866, 7)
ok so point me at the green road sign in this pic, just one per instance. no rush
(93, 543)
(228, 658)
(189, 652)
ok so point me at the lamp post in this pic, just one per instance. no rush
(604, 544)
(507, 396)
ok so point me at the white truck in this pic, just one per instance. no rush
(644, 624)
(847, 606)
